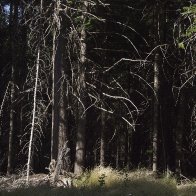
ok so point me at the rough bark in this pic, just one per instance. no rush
(55, 99)
(56, 73)
(81, 129)
(59, 118)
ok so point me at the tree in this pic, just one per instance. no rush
(13, 22)
(59, 107)
(81, 90)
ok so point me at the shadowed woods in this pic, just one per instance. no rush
(98, 82)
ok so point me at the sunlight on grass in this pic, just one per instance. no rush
(99, 175)
(109, 182)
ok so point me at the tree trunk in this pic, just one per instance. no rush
(103, 142)
(56, 73)
(128, 137)
(62, 124)
(59, 134)
(13, 31)
(10, 149)
(117, 152)
(34, 116)
(156, 114)
(55, 101)
(33, 122)
(81, 129)
(179, 133)
(80, 143)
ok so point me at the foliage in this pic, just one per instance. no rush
(190, 12)
(188, 25)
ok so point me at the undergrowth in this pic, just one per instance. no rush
(109, 182)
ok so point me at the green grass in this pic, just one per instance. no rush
(109, 182)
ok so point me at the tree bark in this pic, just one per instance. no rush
(10, 149)
(13, 31)
(34, 116)
(103, 140)
(56, 73)
(117, 152)
(55, 101)
(156, 114)
(59, 134)
(81, 129)
(128, 148)
(179, 133)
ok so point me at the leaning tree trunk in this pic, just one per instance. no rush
(81, 129)
(34, 116)
(33, 122)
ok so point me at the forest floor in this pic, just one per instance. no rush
(99, 182)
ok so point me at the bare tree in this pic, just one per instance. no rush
(37, 116)
(34, 116)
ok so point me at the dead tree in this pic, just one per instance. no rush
(34, 115)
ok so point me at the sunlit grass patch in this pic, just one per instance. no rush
(100, 177)
(140, 173)
(140, 182)
(109, 182)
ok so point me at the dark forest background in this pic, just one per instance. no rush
(113, 80)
